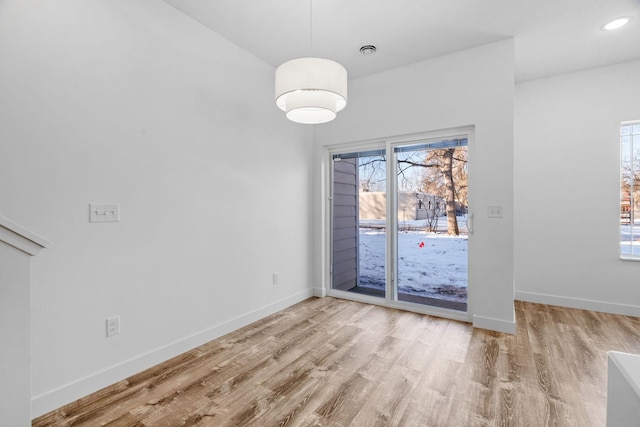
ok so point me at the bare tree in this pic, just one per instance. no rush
(448, 179)
(450, 193)
(445, 175)
(373, 174)
(431, 205)
(630, 186)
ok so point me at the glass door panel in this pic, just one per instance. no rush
(358, 213)
(431, 235)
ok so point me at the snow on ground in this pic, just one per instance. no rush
(429, 264)
(630, 239)
(433, 264)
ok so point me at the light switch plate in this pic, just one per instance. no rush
(104, 212)
(494, 211)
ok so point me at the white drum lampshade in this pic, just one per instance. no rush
(311, 90)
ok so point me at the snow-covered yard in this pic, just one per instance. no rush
(630, 239)
(429, 264)
(434, 264)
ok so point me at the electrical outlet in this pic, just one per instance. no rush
(276, 278)
(113, 326)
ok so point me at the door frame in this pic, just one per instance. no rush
(390, 299)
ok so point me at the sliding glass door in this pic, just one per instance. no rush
(399, 216)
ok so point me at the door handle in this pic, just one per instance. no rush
(469, 223)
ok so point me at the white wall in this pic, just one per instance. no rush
(131, 102)
(15, 372)
(471, 87)
(567, 155)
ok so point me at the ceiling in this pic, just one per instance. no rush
(551, 36)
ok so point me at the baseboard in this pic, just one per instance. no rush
(583, 304)
(71, 392)
(498, 325)
(319, 292)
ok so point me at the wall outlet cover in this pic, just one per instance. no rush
(113, 326)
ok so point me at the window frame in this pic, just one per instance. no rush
(629, 159)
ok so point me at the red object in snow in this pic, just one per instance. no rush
(421, 244)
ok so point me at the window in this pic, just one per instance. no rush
(630, 190)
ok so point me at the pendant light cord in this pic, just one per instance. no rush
(310, 25)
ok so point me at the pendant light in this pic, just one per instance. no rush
(311, 90)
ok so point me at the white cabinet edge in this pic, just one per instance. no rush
(629, 366)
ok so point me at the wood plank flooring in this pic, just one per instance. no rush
(330, 362)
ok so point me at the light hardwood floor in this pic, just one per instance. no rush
(330, 362)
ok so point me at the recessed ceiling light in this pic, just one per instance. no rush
(616, 23)
(368, 49)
